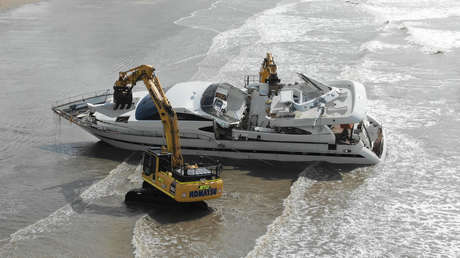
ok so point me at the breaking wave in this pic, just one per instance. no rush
(373, 210)
(403, 10)
(185, 21)
(292, 206)
(287, 31)
(433, 40)
(375, 46)
(428, 22)
(366, 72)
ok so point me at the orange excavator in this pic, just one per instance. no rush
(166, 176)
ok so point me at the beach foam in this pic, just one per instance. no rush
(235, 52)
(424, 22)
(375, 46)
(110, 185)
(400, 10)
(367, 71)
(293, 204)
(188, 20)
(433, 40)
(359, 220)
(143, 240)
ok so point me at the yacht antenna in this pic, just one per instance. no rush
(308, 81)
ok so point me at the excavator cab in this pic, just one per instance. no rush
(189, 183)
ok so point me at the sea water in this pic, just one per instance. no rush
(405, 53)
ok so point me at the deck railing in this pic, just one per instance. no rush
(82, 97)
(248, 79)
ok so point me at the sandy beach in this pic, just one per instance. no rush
(6, 4)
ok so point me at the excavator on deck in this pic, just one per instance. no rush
(268, 71)
(166, 177)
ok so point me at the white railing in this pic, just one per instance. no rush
(248, 79)
(82, 97)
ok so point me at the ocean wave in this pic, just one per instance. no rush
(143, 240)
(433, 40)
(111, 184)
(375, 46)
(286, 31)
(60, 219)
(186, 21)
(56, 220)
(371, 211)
(366, 72)
(154, 239)
(414, 116)
(293, 204)
(416, 19)
(399, 10)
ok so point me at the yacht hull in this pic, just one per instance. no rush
(251, 150)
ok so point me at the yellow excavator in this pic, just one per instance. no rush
(268, 74)
(166, 176)
(268, 71)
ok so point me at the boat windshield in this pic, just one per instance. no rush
(146, 109)
(224, 101)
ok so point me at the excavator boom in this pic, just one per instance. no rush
(146, 73)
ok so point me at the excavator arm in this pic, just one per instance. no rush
(146, 73)
(268, 71)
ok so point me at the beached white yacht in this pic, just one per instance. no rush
(305, 121)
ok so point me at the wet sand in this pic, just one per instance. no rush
(7, 4)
